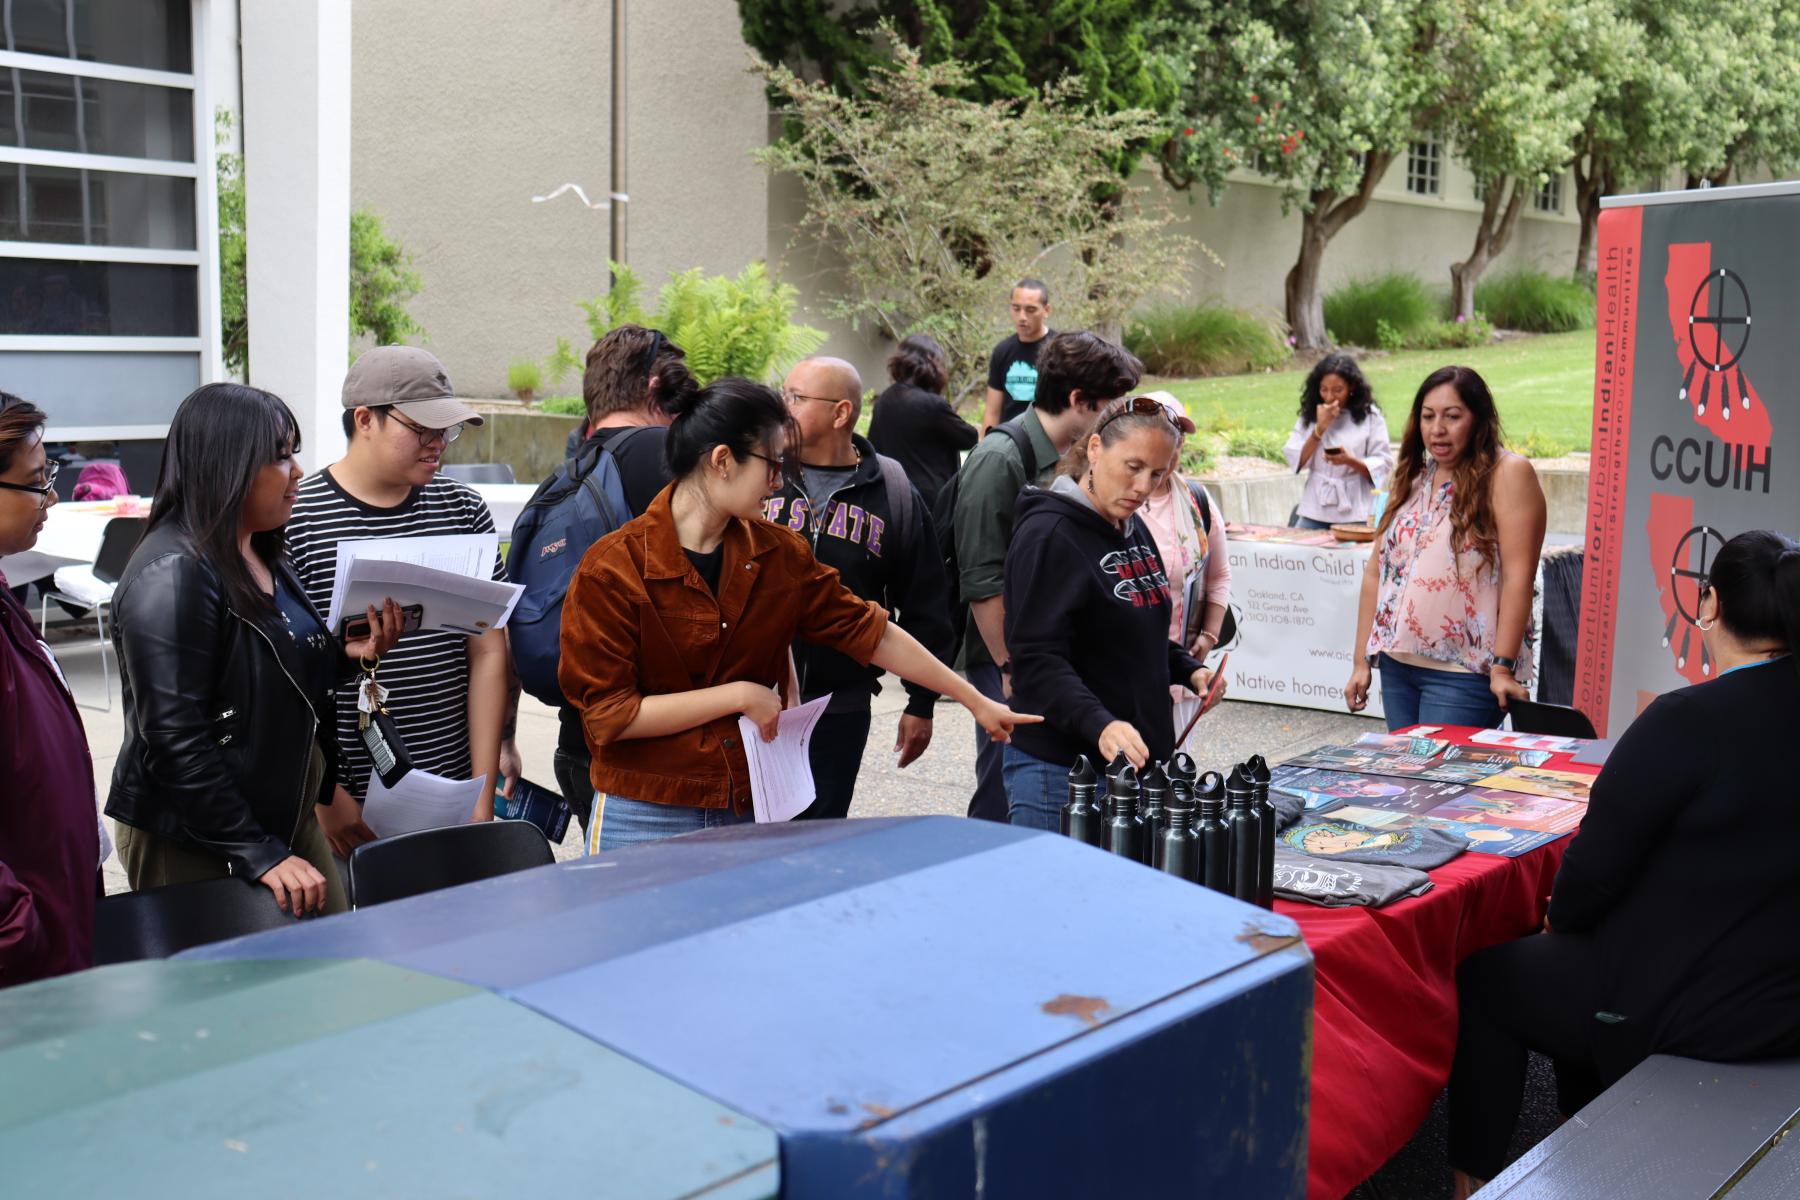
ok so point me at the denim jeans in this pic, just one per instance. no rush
(1419, 695)
(1035, 790)
(990, 800)
(619, 821)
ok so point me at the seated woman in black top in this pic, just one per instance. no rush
(1671, 926)
(913, 424)
(226, 669)
(1087, 614)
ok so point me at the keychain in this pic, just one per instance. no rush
(381, 736)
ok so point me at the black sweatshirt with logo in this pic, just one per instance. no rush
(1087, 626)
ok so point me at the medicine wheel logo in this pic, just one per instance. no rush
(1718, 331)
(1687, 579)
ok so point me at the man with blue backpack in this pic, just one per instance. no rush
(611, 478)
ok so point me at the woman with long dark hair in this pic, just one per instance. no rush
(1446, 595)
(1341, 442)
(49, 838)
(226, 668)
(913, 424)
(680, 621)
(1672, 917)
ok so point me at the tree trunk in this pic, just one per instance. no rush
(1591, 183)
(1305, 303)
(1492, 233)
(1324, 217)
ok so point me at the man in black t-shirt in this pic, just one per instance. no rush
(1012, 371)
(628, 373)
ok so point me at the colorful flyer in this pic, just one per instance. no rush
(1399, 743)
(1539, 781)
(1500, 758)
(1366, 760)
(1527, 741)
(1483, 839)
(1489, 806)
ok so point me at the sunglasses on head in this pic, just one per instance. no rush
(1138, 406)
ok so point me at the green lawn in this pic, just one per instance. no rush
(1544, 387)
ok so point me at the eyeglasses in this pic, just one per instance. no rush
(778, 467)
(43, 490)
(1139, 406)
(428, 436)
(792, 397)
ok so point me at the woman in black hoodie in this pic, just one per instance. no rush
(1087, 614)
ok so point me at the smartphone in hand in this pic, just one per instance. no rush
(357, 628)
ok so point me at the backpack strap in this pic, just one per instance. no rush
(1203, 502)
(1022, 440)
(899, 498)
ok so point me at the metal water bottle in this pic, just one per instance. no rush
(1245, 827)
(1178, 849)
(1182, 767)
(1153, 808)
(1265, 848)
(1082, 818)
(1215, 839)
(1124, 828)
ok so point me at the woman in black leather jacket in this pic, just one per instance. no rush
(227, 670)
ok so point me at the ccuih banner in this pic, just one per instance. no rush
(1696, 433)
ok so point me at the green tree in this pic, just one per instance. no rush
(1516, 102)
(724, 326)
(1014, 47)
(932, 199)
(382, 278)
(1322, 96)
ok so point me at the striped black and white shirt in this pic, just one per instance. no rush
(427, 674)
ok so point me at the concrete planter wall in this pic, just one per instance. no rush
(531, 443)
(1268, 499)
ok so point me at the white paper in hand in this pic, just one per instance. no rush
(419, 800)
(781, 782)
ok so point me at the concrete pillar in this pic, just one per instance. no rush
(296, 84)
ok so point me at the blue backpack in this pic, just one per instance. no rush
(581, 502)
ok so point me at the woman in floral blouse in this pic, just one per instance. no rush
(1446, 597)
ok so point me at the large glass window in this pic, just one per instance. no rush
(95, 208)
(98, 299)
(157, 34)
(42, 111)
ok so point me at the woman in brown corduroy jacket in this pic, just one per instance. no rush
(680, 621)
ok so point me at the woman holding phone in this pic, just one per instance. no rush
(679, 622)
(226, 668)
(1341, 442)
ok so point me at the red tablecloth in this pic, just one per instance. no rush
(1384, 1012)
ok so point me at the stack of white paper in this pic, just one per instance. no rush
(781, 782)
(419, 800)
(449, 577)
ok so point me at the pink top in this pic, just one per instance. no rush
(1433, 604)
(1189, 554)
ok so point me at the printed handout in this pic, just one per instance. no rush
(781, 781)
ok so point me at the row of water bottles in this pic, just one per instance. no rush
(1211, 829)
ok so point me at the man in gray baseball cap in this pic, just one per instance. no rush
(447, 693)
(410, 381)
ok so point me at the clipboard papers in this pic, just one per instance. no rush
(781, 782)
(447, 576)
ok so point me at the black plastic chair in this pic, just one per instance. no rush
(164, 921)
(1552, 720)
(410, 864)
(479, 472)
